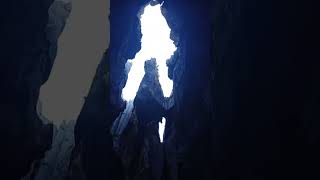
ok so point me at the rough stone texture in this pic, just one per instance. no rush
(30, 34)
(241, 87)
(55, 164)
(139, 144)
(94, 143)
(149, 112)
(93, 150)
(246, 93)
(25, 65)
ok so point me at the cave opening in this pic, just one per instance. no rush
(155, 44)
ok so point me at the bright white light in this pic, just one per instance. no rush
(155, 43)
(162, 126)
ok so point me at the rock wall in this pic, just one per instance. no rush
(241, 86)
(26, 60)
(262, 84)
(245, 91)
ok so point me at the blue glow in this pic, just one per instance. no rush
(155, 43)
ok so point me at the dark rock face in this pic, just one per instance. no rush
(94, 143)
(93, 152)
(261, 87)
(148, 154)
(246, 94)
(26, 61)
(150, 110)
(240, 87)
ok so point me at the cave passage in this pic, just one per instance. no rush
(155, 43)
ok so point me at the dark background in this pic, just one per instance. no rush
(246, 92)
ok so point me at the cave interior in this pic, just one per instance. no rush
(244, 103)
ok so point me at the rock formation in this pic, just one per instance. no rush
(246, 94)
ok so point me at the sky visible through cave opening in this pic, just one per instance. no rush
(155, 43)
